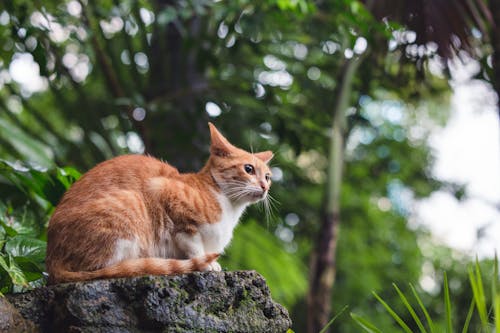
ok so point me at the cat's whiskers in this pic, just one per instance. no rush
(238, 189)
(272, 201)
(238, 193)
(232, 184)
(269, 205)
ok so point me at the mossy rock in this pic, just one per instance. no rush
(197, 302)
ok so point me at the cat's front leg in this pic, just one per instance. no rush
(191, 246)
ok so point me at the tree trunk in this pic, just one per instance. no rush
(323, 266)
(177, 81)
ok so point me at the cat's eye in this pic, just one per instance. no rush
(268, 177)
(249, 169)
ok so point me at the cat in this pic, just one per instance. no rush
(135, 215)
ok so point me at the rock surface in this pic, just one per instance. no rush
(197, 302)
(11, 320)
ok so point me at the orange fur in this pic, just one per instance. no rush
(135, 215)
(136, 267)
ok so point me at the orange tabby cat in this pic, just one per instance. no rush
(135, 215)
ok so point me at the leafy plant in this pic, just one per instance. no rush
(479, 303)
(32, 196)
(21, 258)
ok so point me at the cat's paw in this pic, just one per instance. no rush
(214, 266)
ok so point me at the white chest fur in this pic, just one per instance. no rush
(216, 236)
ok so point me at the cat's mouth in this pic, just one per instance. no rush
(258, 195)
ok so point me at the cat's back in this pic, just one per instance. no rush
(126, 172)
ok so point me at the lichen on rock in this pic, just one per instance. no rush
(197, 302)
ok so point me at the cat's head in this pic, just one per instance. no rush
(242, 176)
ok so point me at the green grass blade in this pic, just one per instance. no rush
(365, 324)
(496, 310)
(333, 319)
(482, 295)
(393, 314)
(447, 304)
(496, 296)
(410, 309)
(424, 310)
(478, 292)
(468, 318)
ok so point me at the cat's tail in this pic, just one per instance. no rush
(136, 267)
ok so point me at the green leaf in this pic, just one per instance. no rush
(31, 149)
(496, 305)
(424, 310)
(48, 185)
(22, 246)
(333, 319)
(40, 184)
(3, 264)
(11, 232)
(31, 269)
(447, 304)
(67, 176)
(52, 189)
(365, 324)
(496, 295)
(478, 292)
(15, 273)
(468, 318)
(393, 314)
(410, 309)
(14, 174)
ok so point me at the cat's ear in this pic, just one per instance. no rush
(219, 145)
(264, 156)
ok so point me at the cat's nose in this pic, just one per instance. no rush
(263, 186)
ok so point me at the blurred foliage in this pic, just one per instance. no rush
(145, 76)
